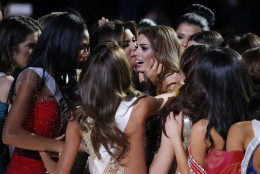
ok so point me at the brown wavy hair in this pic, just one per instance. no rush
(252, 59)
(191, 96)
(104, 82)
(167, 49)
(113, 30)
(13, 31)
(243, 42)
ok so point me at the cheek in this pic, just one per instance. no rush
(127, 51)
(27, 54)
(182, 41)
(148, 57)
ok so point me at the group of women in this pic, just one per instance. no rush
(152, 100)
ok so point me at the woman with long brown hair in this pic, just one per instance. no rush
(112, 117)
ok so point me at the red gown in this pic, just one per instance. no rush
(43, 119)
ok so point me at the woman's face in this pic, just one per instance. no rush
(185, 31)
(130, 46)
(145, 53)
(191, 42)
(22, 53)
(83, 49)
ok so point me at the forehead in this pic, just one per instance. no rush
(188, 29)
(191, 42)
(142, 39)
(128, 34)
(33, 37)
(85, 36)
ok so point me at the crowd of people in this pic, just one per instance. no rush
(133, 97)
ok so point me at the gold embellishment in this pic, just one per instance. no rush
(113, 166)
(177, 93)
(86, 138)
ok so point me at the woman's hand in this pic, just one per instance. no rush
(153, 70)
(173, 127)
(102, 21)
(173, 82)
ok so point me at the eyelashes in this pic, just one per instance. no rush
(31, 45)
(144, 48)
(180, 37)
(127, 43)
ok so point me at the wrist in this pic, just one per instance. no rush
(176, 140)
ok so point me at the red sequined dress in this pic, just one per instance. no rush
(43, 119)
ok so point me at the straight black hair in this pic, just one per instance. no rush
(57, 51)
(228, 88)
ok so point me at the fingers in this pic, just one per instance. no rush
(160, 69)
(171, 117)
(179, 118)
(151, 65)
(157, 67)
(102, 21)
(60, 137)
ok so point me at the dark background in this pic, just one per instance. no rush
(232, 16)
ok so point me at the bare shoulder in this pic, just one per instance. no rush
(237, 135)
(145, 103)
(198, 131)
(200, 126)
(240, 127)
(198, 145)
(6, 82)
(143, 109)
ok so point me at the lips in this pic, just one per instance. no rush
(139, 63)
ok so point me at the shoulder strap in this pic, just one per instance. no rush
(256, 127)
(249, 152)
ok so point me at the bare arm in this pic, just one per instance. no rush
(69, 152)
(173, 128)
(198, 147)
(166, 98)
(164, 158)
(149, 106)
(14, 134)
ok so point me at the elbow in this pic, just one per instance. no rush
(8, 135)
(5, 136)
